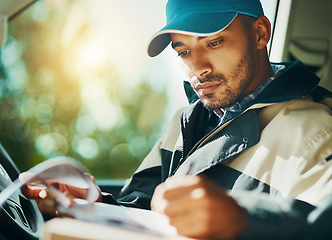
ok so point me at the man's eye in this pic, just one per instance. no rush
(215, 43)
(183, 53)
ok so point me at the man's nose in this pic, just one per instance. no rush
(201, 66)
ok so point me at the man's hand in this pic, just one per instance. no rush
(199, 208)
(38, 192)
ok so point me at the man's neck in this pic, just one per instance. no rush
(263, 71)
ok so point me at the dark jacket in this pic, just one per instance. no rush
(232, 155)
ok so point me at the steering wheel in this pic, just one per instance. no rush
(19, 216)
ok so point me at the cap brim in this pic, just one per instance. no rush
(195, 25)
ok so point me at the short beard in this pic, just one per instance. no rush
(244, 68)
(231, 96)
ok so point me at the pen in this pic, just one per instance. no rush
(190, 168)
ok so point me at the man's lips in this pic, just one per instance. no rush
(206, 88)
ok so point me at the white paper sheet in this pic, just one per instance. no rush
(68, 171)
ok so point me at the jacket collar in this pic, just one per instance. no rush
(297, 81)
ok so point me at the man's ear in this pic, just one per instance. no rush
(262, 28)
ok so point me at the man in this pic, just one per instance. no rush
(250, 158)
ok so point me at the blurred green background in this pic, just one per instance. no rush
(62, 93)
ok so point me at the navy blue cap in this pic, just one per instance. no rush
(200, 18)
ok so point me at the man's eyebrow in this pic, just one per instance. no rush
(176, 44)
(179, 44)
(200, 38)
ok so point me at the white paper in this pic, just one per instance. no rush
(68, 171)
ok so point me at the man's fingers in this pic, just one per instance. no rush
(34, 192)
(26, 176)
(199, 208)
(178, 191)
(193, 224)
(36, 189)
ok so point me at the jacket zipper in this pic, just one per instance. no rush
(213, 133)
(218, 129)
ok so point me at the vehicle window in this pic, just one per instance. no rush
(76, 81)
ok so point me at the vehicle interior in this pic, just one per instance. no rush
(306, 38)
(302, 30)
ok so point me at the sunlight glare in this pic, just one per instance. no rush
(91, 56)
(105, 113)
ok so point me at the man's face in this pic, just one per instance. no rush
(220, 67)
